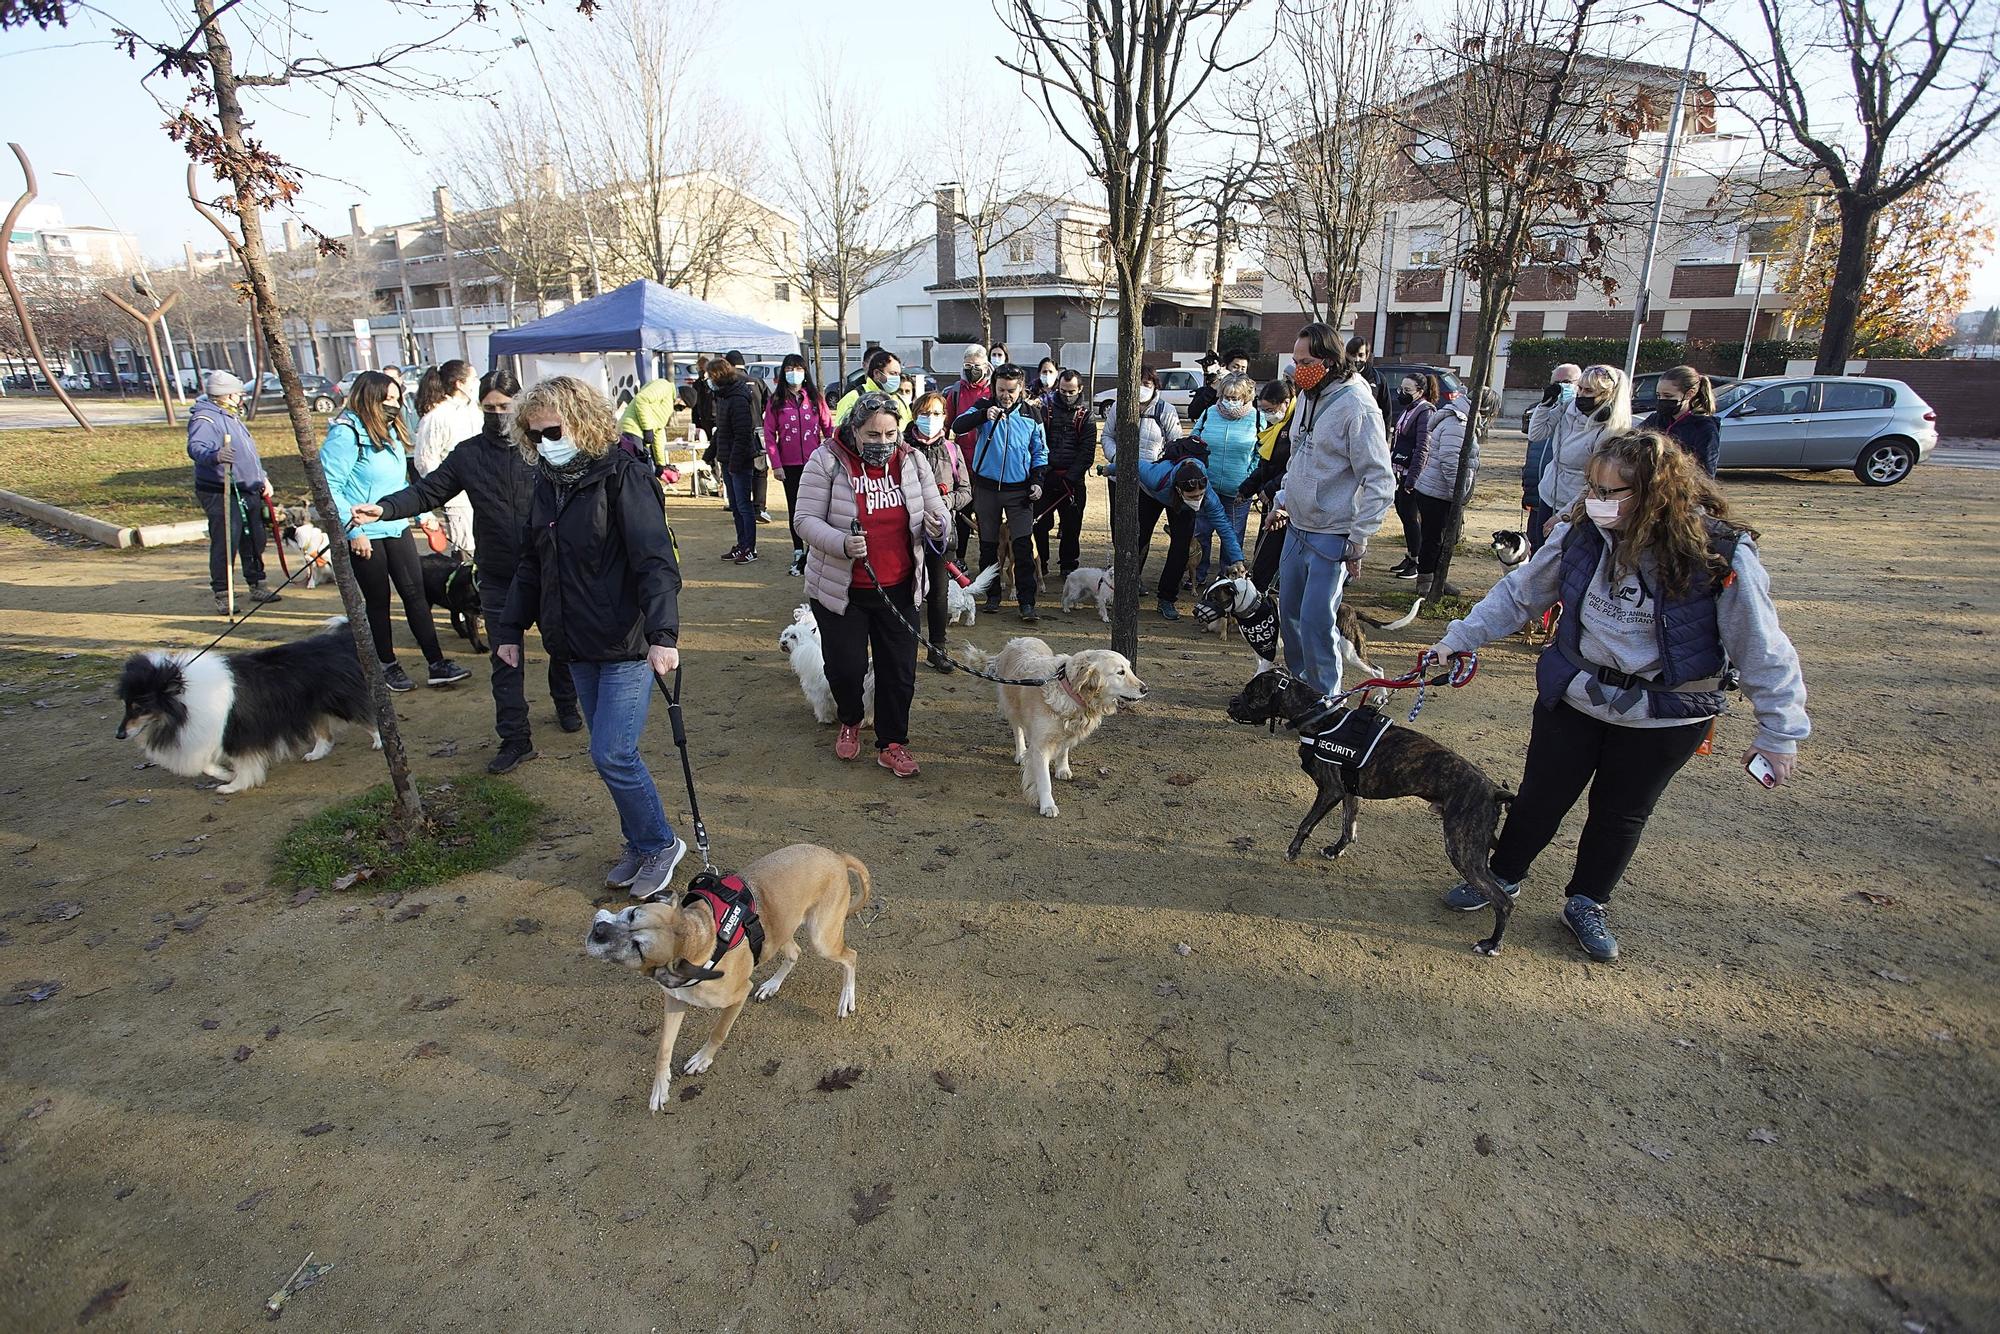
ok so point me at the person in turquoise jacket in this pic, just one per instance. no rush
(366, 457)
(1228, 428)
(1180, 489)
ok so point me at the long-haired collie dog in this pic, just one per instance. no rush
(232, 716)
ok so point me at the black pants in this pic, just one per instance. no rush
(991, 504)
(789, 479)
(873, 621)
(1069, 510)
(1180, 536)
(248, 537)
(1407, 503)
(1538, 516)
(968, 529)
(1627, 769)
(1432, 516)
(937, 601)
(510, 695)
(1270, 550)
(394, 560)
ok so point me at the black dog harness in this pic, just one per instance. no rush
(1345, 738)
(1259, 623)
(735, 910)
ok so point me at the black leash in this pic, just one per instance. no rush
(938, 647)
(687, 765)
(255, 607)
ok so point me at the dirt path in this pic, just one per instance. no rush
(1775, 1113)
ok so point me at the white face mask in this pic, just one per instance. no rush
(930, 424)
(795, 378)
(1145, 395)
(1048, 379)
(1603, 513)
(555, 453)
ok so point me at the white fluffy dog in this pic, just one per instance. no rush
(800, 640)
(964, 602)
(1087, 583)
(309, 544)
(1079, 691)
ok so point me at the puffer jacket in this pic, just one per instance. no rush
(1160, 412)
(794, 426)
(1448, 448)
(827, 513)
(1573, 438)
(1012, 450)
(1339, 479)
(360, 471)
(1156, 479)
(489, 472)
(1232, 445)
(1072, 439)
(646, 417)
(209, 428)
(1413, 431)
(735, 426)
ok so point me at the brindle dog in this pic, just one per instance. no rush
(1405, 763)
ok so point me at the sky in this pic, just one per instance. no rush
(111, 137)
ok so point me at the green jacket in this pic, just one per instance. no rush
(646, 416)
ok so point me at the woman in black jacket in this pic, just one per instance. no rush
(489, 471)
(1686, 415)
(597, 571)
(1072, 435)
(736, 448)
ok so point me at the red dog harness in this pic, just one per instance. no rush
(735, 910)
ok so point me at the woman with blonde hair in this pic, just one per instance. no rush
(1686, 415)
(1601, 410)
(597, 571)
(1666, 608)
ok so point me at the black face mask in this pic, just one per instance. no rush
(1586, 404)
(1404, 398)
(496, 423)
(1065, 398)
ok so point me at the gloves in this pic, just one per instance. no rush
(226, 456)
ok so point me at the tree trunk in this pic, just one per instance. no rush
(257, 268)
(1128, 544)
(1850, 275)
(985, 305)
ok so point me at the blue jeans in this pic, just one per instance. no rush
(615, 698)
(743, 505)
(1239, 520)
(1311, 575)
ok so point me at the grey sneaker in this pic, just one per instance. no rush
(1585, 920)
(1462, 897)
(621, 875)
(657, 871)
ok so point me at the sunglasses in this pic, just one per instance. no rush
(537, 435)
(1606, 492)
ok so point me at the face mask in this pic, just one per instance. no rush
(930, 424)
(876, 455)
(1307, 375)
(1065, 398)
(1565, 391)
(795, 378)
(1232, 411)
(975, 373)
(496, 422)
(1586, 404)
(891, 383)
(1669, 402)
(1048, 379)
(556, 453)
(1145, 395)
(1603, 513)
(1404, 398)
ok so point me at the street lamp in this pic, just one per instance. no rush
(1643, 306)
(141, 284)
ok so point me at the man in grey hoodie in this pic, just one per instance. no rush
(1338, 488)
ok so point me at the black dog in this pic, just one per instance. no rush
(452, 584)
(1403, 763)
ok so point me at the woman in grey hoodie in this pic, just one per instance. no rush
(1666, 609)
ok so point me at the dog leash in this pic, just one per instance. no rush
(687, 765)
(255, 607)
(277, 533)
(1464, 666)
(938, 648)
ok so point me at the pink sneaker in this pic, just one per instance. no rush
(897, 760)
(847, 746)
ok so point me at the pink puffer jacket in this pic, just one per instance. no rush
(826, 518)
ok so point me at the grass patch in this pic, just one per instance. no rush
(132, 475)
(1446, 608)
(475, 822)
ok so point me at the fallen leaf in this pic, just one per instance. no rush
(1879, 900)
(1891, 975)
(1656, 1151)
(524, 926)
(105, 1299)
(634, 1215)
(425, 1051)
(56, 912)
(1482, 1144)
(304, 896)
(153, 944)
(271, 1032)
(431, 1002)
(317, 1128)
(36, 1108)
(211, 1024)
(870, 1205)
(1184, 949)
(1762, 1136)
(411, 912)
(31, 992)
(771, 1068)
(249, 1202)
(193, 923)
(353, 878)
(1892, 1199)
(123, 1192)
(689, 1092)
(1684, 1042)
(1242, 843)
(446, 751)
(1432, 1077)
(242, 1054)
(1180, 780)
(839, 1079)
(944, 1081)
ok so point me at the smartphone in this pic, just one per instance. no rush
(1761, 770)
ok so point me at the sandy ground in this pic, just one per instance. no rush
(1774, 1113)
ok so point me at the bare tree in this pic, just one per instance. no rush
(995, 205)
(1115, 77)
(1218, 205)
(321, 290)
(524, 220)
(1340, 68)
(1526, 130)
(1922, 87)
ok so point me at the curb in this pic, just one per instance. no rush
(97, 530)
(171, 534)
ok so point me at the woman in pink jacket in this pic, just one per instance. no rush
(867, 502)
(797, 421)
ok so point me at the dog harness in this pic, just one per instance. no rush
(1259, 624)
(735, 910)
(1345, 738)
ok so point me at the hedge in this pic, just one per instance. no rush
(1530, 360)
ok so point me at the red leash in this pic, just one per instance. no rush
(278, 534)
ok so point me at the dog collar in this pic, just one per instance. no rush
(1062, 679)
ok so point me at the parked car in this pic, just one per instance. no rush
(1880, 428)
(1177, 386)
(76, 382)
(767, 371)
(319, 392)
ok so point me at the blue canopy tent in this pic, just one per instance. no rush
(643, 317)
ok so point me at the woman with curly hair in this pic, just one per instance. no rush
(597, 571)
(1666, 608)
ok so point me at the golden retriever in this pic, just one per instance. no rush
(1078, 692)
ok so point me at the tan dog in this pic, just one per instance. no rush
(1081, 690)
(673, 945)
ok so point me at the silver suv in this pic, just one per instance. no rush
(1879, 428)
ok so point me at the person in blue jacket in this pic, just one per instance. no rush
(1228, 428)
(366, 458)
(1009, 455)
(217, 438)
(1180, 490)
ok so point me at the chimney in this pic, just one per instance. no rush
(187, 253)
(357, 221)
(950, 203)
(292, 237)
(546, 179)
(441, 205)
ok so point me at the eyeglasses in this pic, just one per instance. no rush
(538, 434)
(1606, 492)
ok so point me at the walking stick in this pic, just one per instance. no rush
(229, 539)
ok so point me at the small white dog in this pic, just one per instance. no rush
(1088, 583)
(800, 640)
(1078, 692)
(964, 602)
(309, 544)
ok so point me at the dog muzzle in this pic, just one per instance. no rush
(1206, 614)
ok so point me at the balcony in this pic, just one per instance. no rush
(431, 318)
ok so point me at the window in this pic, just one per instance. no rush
(1708, 243)
(1764, 237)
(1780, 400)
(781, 291)
(1426, 247)
(1841, 396)
(1021, 250)
(1430, 150)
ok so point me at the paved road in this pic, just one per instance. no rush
(1987, 460)
(36, 412)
